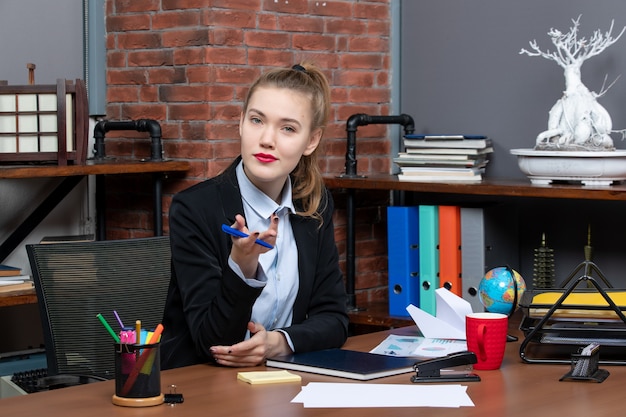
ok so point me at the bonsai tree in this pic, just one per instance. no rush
(577, 121)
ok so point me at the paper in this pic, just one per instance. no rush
(353, 395)
(396, 345)
(449, 322)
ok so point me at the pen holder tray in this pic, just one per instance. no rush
(585, 368)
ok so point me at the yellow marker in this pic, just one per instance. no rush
(138, 332)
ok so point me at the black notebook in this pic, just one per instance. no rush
(345, 363)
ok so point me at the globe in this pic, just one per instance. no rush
(497, 290)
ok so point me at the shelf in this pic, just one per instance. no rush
(503, 188)
(106, 166)
(14, 298)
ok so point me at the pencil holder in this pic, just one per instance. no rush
(137, 375)
(585, 368)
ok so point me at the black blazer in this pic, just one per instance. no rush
(208, 304)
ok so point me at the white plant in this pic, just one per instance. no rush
(576, 121)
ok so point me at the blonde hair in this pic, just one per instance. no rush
(308, 183)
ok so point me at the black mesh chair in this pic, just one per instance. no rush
(77, 280)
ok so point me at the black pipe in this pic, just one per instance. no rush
(352, 125)
(361, 119)
(141, 125)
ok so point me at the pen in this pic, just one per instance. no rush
(109, 329)
(239, 233)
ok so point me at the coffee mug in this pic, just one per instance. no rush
(486, 337)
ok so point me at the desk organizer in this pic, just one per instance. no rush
(44, 123)
(557, 322)
(585, 368)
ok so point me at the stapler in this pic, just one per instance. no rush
(455, 367)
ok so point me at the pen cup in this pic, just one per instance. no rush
(137, 375)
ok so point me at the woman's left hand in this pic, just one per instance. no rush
(261, 345)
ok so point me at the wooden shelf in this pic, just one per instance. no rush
(106, 166)
(502, 188)
(14, 298)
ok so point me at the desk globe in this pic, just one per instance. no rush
(497, 290)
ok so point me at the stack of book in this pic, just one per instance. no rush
(12, 279)
(445, 158)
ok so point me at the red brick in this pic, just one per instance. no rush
(229, 18)
(183, 93)
(183, 4)
(188, 56)
(193, 37)
(128, 23)
(152, 58)
(122, 94)
(168, 20)
(188, 111)
(267, 40)
(139, 40)
(225, 55)
(226, 36)
(126, 77)
(128, 6)
(301, 23)
(313, 42)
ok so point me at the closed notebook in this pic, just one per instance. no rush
(345, 363)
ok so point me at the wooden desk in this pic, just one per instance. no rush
(517, 389)
(72, 175)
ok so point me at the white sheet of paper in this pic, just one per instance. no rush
(356, 395)
(452, 309)
(433, 327)
(449, 322)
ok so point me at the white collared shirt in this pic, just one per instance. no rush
(278, 268)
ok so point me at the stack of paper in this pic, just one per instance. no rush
(340, 395)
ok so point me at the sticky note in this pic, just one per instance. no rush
(268, 377)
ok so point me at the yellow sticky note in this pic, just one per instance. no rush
(268, 377)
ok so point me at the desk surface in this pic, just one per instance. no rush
(517, 389)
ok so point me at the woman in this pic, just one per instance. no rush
(230, 299)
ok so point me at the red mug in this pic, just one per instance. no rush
(486, 337)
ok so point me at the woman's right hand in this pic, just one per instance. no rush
(245, 252)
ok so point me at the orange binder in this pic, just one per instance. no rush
(450, 248)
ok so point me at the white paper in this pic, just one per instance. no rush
(417, 346)
(355, 395)
(449, 322)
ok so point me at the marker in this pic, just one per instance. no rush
(138, 332)
(119, 320)
(141, 361)
(239, 233)
(109, 329)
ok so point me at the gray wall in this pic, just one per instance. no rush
(46, 33)
(461, 70)
(50, 35)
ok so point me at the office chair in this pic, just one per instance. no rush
(75, 281)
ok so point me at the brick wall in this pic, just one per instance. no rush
(188, 64)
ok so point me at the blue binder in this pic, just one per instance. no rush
(429, 257)
(403, 258)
